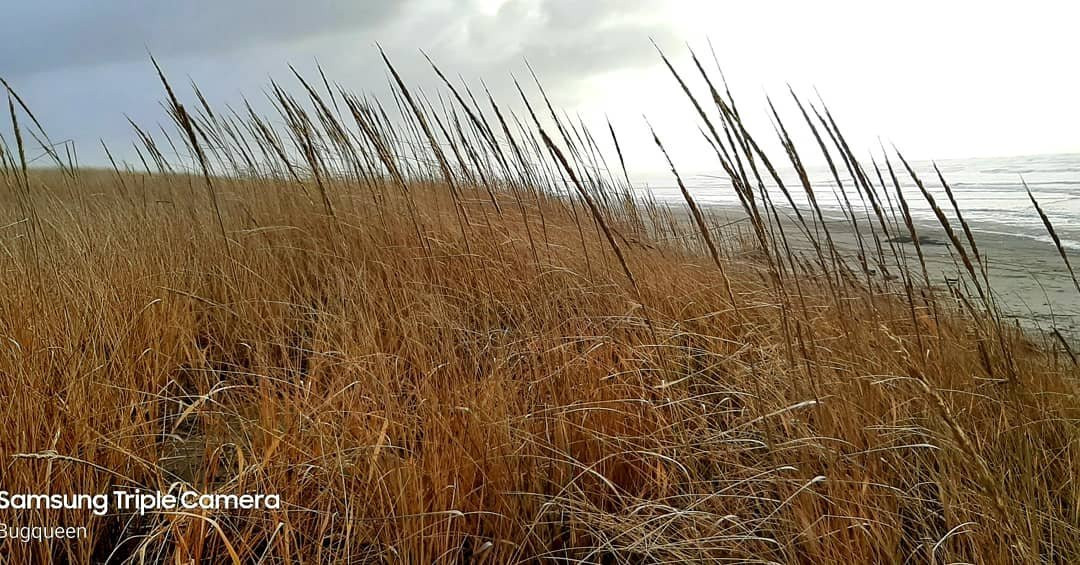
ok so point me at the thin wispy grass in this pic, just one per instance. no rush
(351, 317)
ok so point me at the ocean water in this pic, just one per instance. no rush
(990, 193)
(1027, 274)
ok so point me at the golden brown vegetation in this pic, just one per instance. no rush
(435, 355)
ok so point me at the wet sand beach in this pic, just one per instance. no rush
(1030, 282)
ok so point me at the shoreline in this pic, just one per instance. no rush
(1031, 284)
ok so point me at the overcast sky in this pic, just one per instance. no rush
(938, 79)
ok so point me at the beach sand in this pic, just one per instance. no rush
(1030, 283)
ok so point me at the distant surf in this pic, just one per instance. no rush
(1028, 275)
(990, 191)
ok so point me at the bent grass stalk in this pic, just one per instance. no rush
(414, 403)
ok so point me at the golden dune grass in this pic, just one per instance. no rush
(448, 360)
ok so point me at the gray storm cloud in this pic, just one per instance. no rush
(83, 66)
(560, 36)
(46, 36)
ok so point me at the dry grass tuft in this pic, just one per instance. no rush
(424, 376)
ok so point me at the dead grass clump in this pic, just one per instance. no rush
(424, 376)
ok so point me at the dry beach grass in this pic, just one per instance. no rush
(454, 336)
